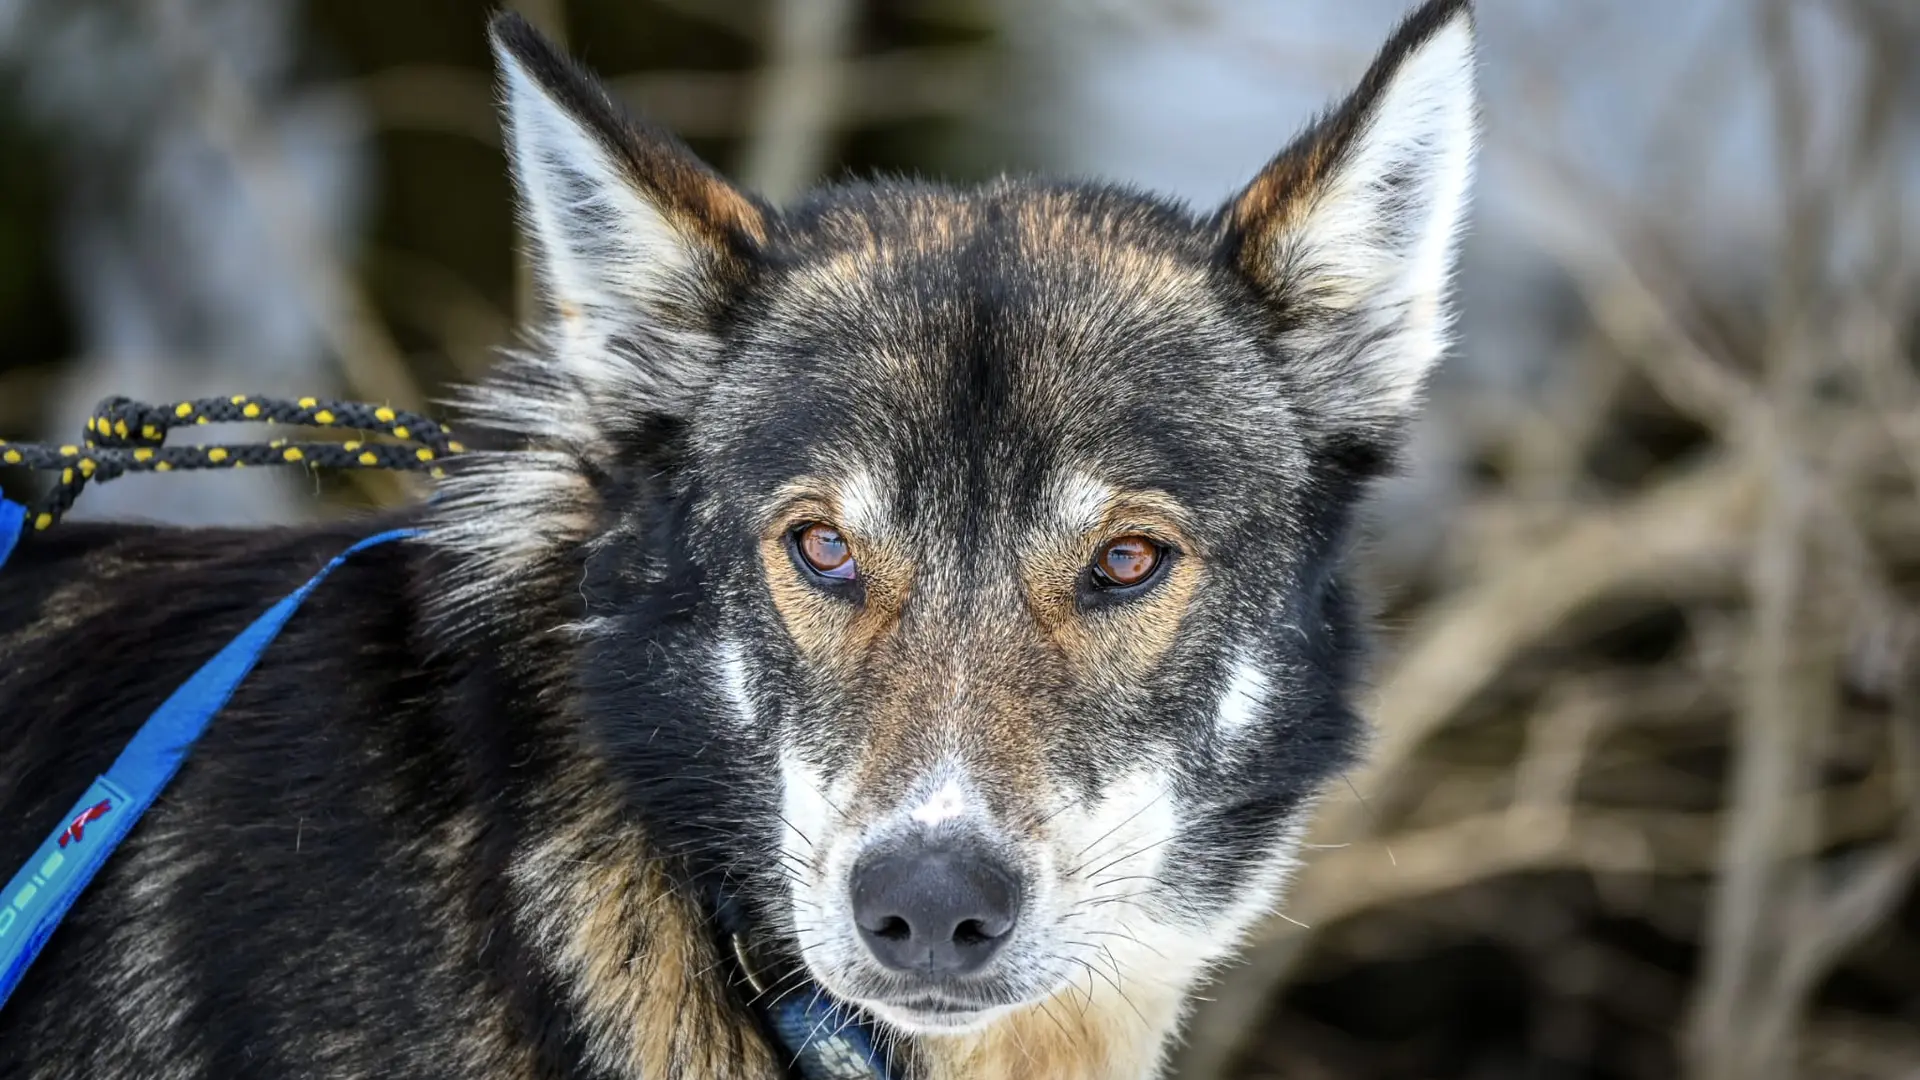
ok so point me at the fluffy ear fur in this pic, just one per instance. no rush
(638, 248)
(636, 244)
(1352, 230)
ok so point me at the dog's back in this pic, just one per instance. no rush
(284, 909)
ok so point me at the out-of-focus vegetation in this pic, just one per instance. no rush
(1645, 795)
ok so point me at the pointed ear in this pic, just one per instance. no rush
(1351, 232)
(636, 243)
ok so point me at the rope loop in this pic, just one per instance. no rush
(126, 436)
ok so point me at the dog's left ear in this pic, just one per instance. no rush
(1351, 232)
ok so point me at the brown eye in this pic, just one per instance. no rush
(825, 551)
(1129, 560)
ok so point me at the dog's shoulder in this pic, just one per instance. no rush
(99, 623)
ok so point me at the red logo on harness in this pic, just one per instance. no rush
(78, 829)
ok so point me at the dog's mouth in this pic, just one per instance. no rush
(933, 1014)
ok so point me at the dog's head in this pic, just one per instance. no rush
(959, 568)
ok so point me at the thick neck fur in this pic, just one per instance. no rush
(625, 941)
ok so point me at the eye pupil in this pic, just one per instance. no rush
(826, 551)
(1127, 561)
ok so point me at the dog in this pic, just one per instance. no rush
(926, 601)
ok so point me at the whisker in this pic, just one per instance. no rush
(1048, 1013)
(1130, 937)
(1129, 855)
(1103, 882)
(808, 1041)
(796, 829)
(1068, 805)
(1097, 901)
(1116, 986)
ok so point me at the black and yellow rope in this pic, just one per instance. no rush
(126, 436)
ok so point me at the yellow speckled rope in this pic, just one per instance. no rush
(126, 436)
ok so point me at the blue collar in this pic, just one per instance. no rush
(823, 1038)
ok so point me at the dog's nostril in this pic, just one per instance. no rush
(934, 910)
(970, 932)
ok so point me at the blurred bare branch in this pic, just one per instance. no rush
(800, 95)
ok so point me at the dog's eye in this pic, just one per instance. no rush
(825, 551)
(1127, 561)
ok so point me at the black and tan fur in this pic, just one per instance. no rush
(471, 814)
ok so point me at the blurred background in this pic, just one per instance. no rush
(1645, 794)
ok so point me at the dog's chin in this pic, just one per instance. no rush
(912, 1020)
(923, 1012)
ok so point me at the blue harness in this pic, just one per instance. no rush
(827, 1040)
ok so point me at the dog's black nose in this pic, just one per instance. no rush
(934, 910)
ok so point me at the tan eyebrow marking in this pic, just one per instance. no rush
(830, 630)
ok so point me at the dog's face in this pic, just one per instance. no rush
(1025, 520)
(983, 544)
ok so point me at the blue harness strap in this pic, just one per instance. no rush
(38, 897)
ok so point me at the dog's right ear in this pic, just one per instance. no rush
(636, 243)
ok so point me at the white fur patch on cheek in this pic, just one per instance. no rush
(806, 812)
(1102, 889)
(1263, 886)
(947, 803)
(1162, 955)
(1241, 701)
(817, 850)
(733, 681)
(1125, 832)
